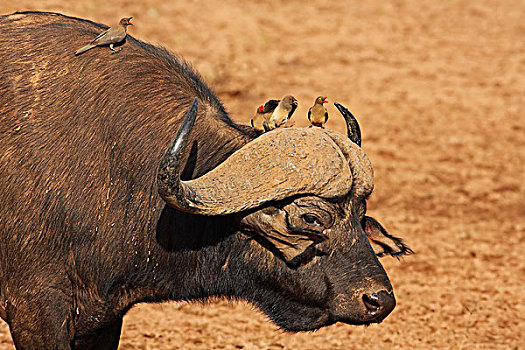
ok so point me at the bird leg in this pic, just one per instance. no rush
(114, 50)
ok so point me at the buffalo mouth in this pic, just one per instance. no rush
(305, 318)
(367, 309)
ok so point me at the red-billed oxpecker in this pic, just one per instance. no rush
(259, 122)
(112, 36)
(317, 114)
(283, 112)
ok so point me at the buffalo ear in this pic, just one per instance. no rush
(382, 242)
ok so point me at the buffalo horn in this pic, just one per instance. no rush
(170, 186)
(352, 126)
(276, 165)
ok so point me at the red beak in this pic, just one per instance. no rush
(324, 100)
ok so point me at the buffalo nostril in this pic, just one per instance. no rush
(371, 302)
(379, 304)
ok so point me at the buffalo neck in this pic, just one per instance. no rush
(177, 253)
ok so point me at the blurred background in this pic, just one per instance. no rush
(439, 91)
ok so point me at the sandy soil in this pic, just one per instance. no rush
(438, 88)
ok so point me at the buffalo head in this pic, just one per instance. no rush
(301, 194)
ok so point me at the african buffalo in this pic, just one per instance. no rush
(98, 215)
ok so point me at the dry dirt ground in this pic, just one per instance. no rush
(439, 89)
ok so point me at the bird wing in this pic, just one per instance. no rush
(111, 36)
(270, 106)
(309, 113)
(294, 107)
(101, 34)
(325, 115)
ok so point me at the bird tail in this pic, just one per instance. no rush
(84, 49)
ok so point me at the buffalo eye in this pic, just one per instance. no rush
(311, 219)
